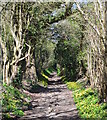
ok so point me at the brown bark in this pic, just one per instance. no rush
(104, 84)
(30, 70)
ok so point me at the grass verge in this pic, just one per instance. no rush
(87, 102)
(12, 102)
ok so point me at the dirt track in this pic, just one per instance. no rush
(54, 103)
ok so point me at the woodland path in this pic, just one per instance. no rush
(53, 103)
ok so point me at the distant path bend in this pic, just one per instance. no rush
(56, 103)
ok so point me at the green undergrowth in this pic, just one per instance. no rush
(87, 102)
(50, 70)
(58, 71)
(43, 77)
(73, 85)
(12, 102)
(46, 73)
(63, 78)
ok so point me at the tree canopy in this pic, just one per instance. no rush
(72, 40)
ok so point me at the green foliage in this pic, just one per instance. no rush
(64, 79)
(44, 75)
(17, 81)
(50, 70)
(12, 102)
(47, 73)
(43, 78)
(66, 56)
(82, 56)
(87, 103)
(18, 113)
(58, 71)
(73, 85)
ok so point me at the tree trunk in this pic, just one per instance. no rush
(105, 58)
(82, 68)
(30, 70)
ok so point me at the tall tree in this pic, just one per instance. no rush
(97, 45)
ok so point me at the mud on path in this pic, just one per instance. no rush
(54, 103)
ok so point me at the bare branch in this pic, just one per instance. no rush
(16, 61)
(86, 19)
